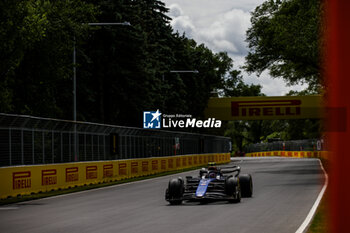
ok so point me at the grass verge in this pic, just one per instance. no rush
(35, 196)
(320, 222)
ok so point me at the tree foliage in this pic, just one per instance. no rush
(285, 38)
(125, 70)
(241, 132)
(121, 70)
(37, 38)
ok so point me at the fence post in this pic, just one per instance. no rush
(134, 153)
(33, 144)
(98, 147)
(43, 139)
(10, 147)
(70, 147)
(125, 147)
(85, 146)
(53, 146)
(61, 147)
(77, 147)
(22, 152)
(120, 147)
(92, 147)
(142, 147)
(75, 142)
(104, 147)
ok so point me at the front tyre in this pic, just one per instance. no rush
(175, 191)
(175, 202)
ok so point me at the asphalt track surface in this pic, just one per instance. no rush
(284, 192)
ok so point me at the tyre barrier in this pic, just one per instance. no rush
(30, 179)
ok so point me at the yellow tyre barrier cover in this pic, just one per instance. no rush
(292, 154)
(29, 179)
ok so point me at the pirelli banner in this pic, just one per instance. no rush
(24, 180)
(264, 108)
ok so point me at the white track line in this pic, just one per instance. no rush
(312, 212)
(9, 208)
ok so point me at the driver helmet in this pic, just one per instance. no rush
(211, 164)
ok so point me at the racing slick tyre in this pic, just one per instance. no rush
(246, 183)
(175, 191)
(232, 189)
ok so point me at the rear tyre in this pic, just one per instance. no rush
(246, 183)
(175, 191)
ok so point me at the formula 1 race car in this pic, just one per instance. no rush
(212, 184)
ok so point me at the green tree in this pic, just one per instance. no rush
(38, 44)
(121, 66)
(241, 132)
(22, 24)
(126, 70)
(121, 71)
(234, 86)
(285, 38)
(192, 89)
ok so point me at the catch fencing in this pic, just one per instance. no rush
(294, 145)
(27, 140)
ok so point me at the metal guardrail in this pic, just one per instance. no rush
(34, 140)
(295, 145)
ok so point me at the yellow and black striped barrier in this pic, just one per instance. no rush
(291, 154)
(24, 180)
